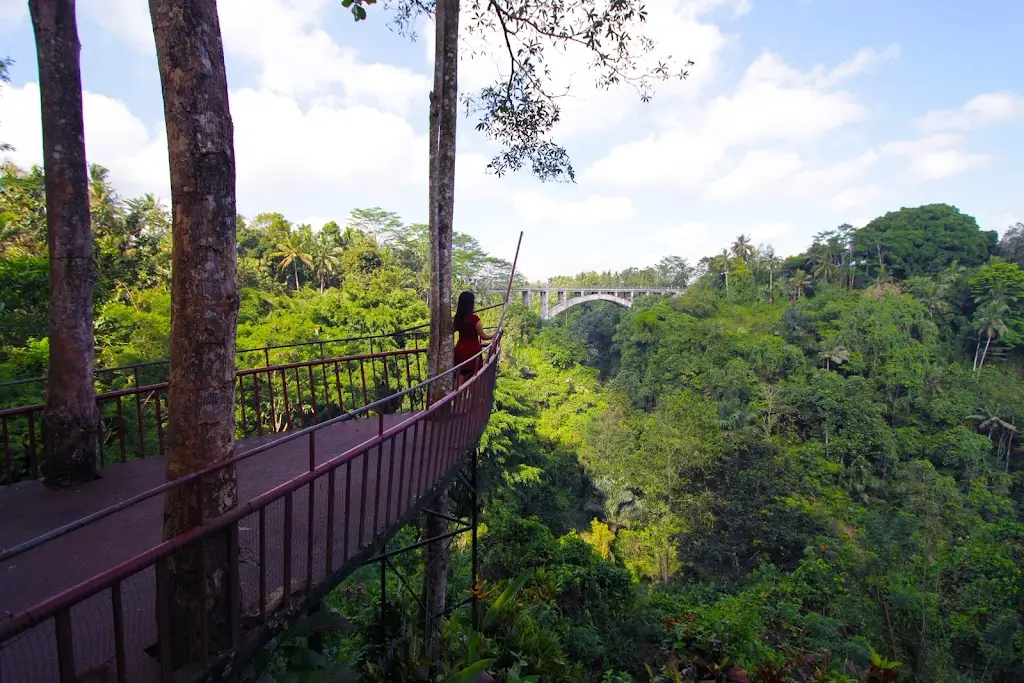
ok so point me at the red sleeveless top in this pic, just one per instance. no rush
(468, 344)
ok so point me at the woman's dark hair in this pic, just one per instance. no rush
(464, 309)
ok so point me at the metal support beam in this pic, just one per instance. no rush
(469, 484)
(418, 544)
(448, 517)
(474, 617)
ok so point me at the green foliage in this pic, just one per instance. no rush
(812, 474)
(924, 241)
(504, 601)
(290, 658)
(24, 299)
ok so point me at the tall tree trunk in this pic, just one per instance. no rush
(985, 352)
(668, 552)
(771, 286)
(443, 115)
(295, 269)
(977, 348)
(204, 309)
(70, 418)
(440, 352)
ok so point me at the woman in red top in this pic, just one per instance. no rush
(471, 331)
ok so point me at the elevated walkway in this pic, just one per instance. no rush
(91, 596)
(333, 456)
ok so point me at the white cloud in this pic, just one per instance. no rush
(782, 174)
(699, 7)
(296, 56)
(773, 103)
(320, 149)
(946, 164)
(769, 68)
(694, 240)
(764, 232)
(285, 40)
(538, 208)
(865, 60)
(316, 151)
(691, 240)
(115, 138)
(856, 197)
(936, 157)
(982, 110)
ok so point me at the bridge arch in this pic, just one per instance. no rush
(570, 302)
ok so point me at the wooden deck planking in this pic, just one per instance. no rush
(28, 509)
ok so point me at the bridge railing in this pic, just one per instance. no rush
(258, 565)
(18, 392)
(30, 390)
(268, 400)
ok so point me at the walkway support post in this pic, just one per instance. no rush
(475, 615)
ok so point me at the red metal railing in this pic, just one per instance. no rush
(30, 389)
(268, 400)
(281, 545)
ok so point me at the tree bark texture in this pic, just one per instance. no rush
(441, 347)
(443, 114)
(71, 418)
(204, 311)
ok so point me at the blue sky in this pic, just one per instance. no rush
(799, 115)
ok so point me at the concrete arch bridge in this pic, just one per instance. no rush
(555, 300)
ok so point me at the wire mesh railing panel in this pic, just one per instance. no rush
(92, 630)
(251, 568)
(273, 541)
(31, 656)
(138, 631)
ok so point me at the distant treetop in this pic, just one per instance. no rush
(925, 240)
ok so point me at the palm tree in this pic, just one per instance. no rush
(989, 321)
(104, 204)
(834, 353)
(820, 261)
(799, 281)
(932, 293)
(825, 269)
(721, 264)
(742, 248)
(772, 263)
(290, 251)
(326, 257)
(990, 421)
(996, 291)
